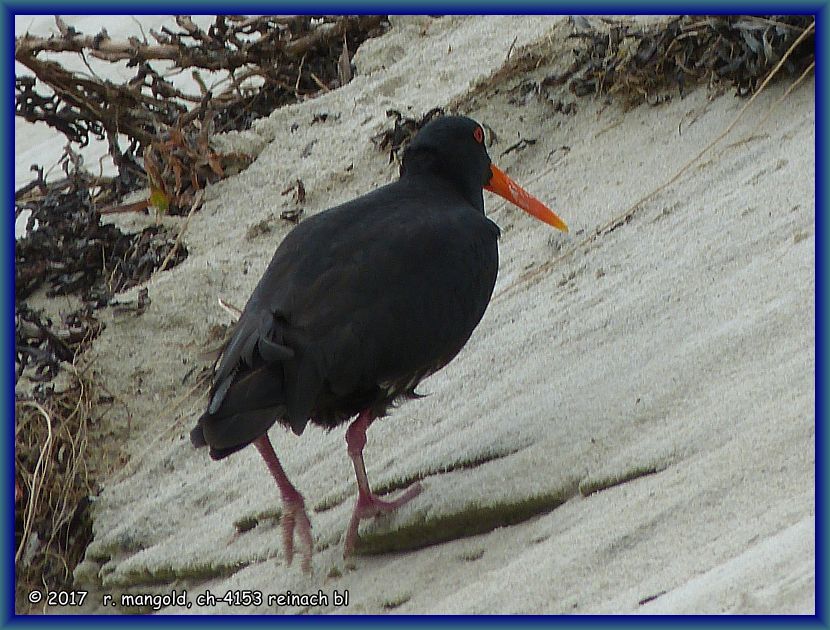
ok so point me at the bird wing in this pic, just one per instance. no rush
(257, 330)
(397, 294)
(364, 293)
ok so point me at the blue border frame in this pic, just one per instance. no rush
(471, 7)
(821, 444)
(7, 340)
(10, 9)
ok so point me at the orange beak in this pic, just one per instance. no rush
(505, 187)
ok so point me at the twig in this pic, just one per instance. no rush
(299, 75)
(510, 50)
(758, 18)
(140, 28)
(319, 82)
(786, 93)
(234, 311)
(521, 144)
(197, 202)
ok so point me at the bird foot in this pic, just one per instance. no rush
(370, 506)
(295, 517)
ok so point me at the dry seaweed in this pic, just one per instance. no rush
(68, 248)
(182, 162)
(650, 62)
(42, 346)
(403, 130)
(298, 188)
(283, 51)
(266, 62)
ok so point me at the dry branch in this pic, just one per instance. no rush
(292, 57)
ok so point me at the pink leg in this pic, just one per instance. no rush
(368, 505)
(294, 514)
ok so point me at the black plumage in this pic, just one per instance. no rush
(360, 303)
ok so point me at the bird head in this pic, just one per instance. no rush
(453, 147)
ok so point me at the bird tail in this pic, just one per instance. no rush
(249, 404)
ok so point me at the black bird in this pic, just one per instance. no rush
(358, 305)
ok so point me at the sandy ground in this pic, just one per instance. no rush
(666, 362)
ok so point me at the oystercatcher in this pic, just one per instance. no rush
(358, 305)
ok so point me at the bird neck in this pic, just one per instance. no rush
(426, 165)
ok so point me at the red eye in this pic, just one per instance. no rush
(478, 134)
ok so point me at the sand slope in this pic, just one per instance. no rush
(675, 351)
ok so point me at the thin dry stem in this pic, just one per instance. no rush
(197, 203)
(37, 477)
